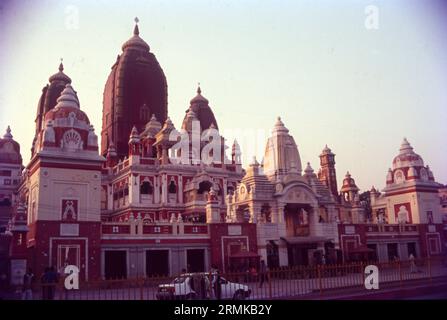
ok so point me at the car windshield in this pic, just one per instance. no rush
(179, 280)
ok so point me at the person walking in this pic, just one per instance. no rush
(217, 285)
(44, 283)
(262, 273)
(52, 279)
(413, 268)
(28, 280)
(203, 287)
(197, 285)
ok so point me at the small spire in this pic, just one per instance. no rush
(199, 91)
(111, 151)
(254, 162)
(279, 122)
(68, 98)
(136, 31)
(8, 134)
(235, 148)
(308, 170)
(326, 149)
(279, 126)
(61, 65)
(168, 122)
(405, 146)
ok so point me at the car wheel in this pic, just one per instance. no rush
(239, 295)
(190, 296)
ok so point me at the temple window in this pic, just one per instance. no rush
(146, 188)
(399, 177)
(204, 186)
(172, 187)
(266, 213)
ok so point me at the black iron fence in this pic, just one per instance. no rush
(282, 283)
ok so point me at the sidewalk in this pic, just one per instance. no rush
(390, 291)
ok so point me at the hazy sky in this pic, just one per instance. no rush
(314, 63)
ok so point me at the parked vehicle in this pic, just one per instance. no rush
(199, 286)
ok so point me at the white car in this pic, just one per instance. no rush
(184, 287)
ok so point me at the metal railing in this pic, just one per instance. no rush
(298, 282)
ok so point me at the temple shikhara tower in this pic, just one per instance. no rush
(136, 90)
(154, 197)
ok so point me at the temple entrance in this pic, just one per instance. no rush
(115, 262)
(157, 263)
(411, 247)
(393, 252)
(372, 256)
(272, 255)
(301, 254)
(195, 260)
(297, 219)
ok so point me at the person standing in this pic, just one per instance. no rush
(413, 268)
(197, 285)
(52, 280)
(44, 283)
(28, 280)
(217, 285)
(262, 273)
(203, 287)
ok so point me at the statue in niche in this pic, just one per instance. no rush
(69, 210)
(303, 217)
(402, 218)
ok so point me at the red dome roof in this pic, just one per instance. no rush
(49, 95)
(9, 149)
(348, 183)
(67, 105)
(407, 157)
(136, 42)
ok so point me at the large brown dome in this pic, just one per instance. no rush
(50, 93)
(135, 90)
(201, 111)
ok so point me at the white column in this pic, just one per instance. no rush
(109, 197)
(134, 190)
(180, 189)
(283, 257)
(254, 211)
(164, 188)
(156, 189)
(282, 232)
(315, 227)
(224, 187)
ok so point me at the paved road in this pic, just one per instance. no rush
(433, 296)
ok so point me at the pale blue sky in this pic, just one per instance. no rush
(312, 62)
